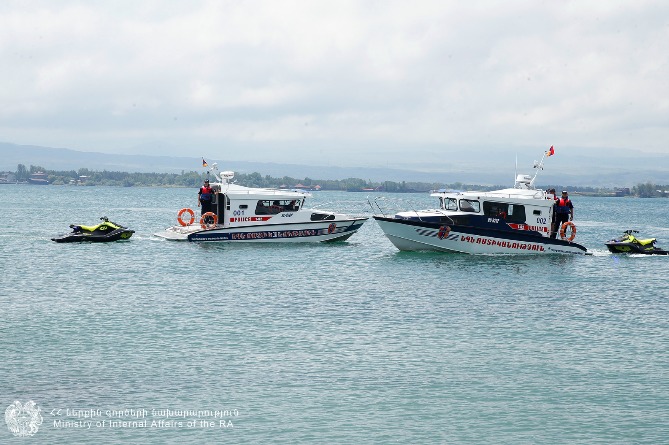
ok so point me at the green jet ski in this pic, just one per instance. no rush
(628, 243)
(104, 232)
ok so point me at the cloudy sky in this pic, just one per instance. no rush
(363, 82)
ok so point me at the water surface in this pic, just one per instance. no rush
(351, 342)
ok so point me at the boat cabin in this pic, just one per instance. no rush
(509, 209)
(234, 204)
(519, 209)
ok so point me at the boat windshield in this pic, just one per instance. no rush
(449, 204)
(470, 205)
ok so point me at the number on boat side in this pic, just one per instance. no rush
(286, 215)
(238, 213)
(541, 220)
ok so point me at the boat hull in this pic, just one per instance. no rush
(306, 232)
(413, 235)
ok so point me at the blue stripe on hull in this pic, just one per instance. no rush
(269, 235)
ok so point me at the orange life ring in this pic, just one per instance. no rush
(563, 231)
(204, 224)
(181, 213)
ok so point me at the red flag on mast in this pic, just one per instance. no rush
(550, 152)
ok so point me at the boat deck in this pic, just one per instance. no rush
(178, 233)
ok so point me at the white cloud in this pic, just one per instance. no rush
(356, 75)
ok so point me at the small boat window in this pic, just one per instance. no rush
(470, 205)
(536, 212)
(269, 207)
(517, 213)
(322, 216)
(243, 206)
(450, 204)
(514, 213)
(496, 209)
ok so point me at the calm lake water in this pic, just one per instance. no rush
(159, 342)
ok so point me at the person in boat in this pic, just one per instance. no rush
(205, 197)
(563, 212)
(262, 209)
(275, 208)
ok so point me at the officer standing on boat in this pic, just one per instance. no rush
(563, 211)
(204, 197)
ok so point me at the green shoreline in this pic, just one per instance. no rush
(193, 179)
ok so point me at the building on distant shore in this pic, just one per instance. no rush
(622, 191)
(312, 188)
(38, 178)
(7, 178)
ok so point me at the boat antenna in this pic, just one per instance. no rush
(515, 175)
(214, 169)
(538, 166)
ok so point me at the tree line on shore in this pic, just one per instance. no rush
(87, 177)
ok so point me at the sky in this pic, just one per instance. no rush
(342, 83)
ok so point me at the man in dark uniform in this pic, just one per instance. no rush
(563, 211)
(204, 197)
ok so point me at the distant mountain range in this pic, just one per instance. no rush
(591, 167)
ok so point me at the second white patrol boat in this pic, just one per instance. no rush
(245, 214)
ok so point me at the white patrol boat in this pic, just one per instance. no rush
(510, 221)
(244, 214)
